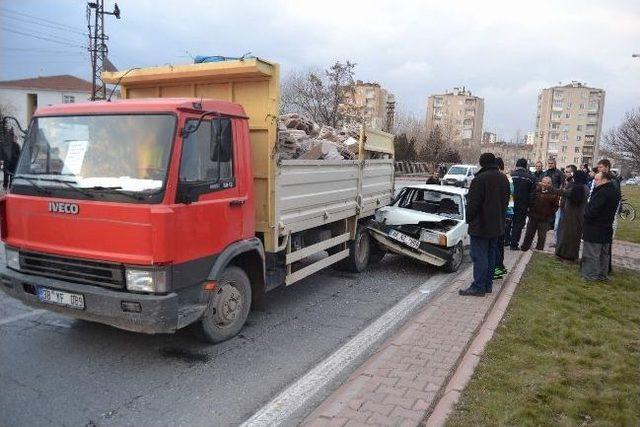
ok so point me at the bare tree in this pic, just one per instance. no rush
(624, 140)
(321, 95)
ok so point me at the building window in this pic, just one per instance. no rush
(578, 138)
(582, 106)
(555, 126)
(565, 136)
(565, 128)
(68, 99)
(467, 133)
(577, 149)
(564, 148)
(557, 103)
(567, 116)
(593, 105)
(557, 115)
(579, 128)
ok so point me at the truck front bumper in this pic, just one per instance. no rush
(158, 313)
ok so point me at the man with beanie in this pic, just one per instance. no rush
(523, 187)
(487, 203)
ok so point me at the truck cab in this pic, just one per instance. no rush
(119, 211)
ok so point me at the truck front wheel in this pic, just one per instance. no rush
(227, 307)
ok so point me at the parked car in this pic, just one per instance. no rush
(633, 181)
(427, 223)
(460, 175)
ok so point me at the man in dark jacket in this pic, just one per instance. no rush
(539, 173)
(487, 203)
(544, 204)
(597, 231)
(556, 175)
(523, 187)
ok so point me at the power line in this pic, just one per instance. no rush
(42, 49)
(42, 24)
(4, 9)
(44, 34)
(43, 38)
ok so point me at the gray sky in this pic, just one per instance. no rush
(504, 51)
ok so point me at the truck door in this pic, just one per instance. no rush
(210, 204)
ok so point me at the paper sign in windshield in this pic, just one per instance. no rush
(75, 157)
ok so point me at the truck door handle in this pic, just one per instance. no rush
(237, 202)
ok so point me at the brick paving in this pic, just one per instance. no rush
(403, 380)
(625, 254)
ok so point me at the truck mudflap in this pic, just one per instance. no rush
(151, 314)
(426, 252)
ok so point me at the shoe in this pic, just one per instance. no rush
(471, 292)
(553, 245)
(488, 290)
(514, 248)
(498, 274)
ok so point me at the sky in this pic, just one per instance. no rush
(503, 51)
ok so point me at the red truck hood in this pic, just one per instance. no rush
(120, 232)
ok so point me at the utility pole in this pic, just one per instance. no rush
(98, 46)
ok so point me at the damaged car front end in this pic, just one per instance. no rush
(426, 222)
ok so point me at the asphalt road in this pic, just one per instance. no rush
(59, 371)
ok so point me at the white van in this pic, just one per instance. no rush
(460, 175)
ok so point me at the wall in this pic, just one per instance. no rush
(16, 101)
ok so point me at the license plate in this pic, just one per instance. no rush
(51, 296)
(407, 240)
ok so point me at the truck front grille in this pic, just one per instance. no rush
(99, 273)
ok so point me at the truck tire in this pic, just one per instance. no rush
(456, 260)
(359, 252)
(227, 308)
(376, 252)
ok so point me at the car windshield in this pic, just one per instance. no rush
(119, 152)
(457, 170)
(431, 201)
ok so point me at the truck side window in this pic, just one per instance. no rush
(196, 165)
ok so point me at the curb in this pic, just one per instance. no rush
(449, 394)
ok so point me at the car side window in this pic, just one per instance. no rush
(206, 158)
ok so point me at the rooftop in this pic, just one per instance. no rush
(63, 82)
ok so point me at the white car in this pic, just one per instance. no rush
(460, 175)
(426, 222)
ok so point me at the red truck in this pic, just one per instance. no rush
(170, 207)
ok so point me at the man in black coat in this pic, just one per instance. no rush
(556, 175)
(539, 173)
(597, 231)
(487, 203)
(523, 188)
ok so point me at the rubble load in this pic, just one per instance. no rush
(303, 139)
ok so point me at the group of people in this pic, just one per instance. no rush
(580, 204)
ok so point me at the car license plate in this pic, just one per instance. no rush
(51, 296)
(407, 240)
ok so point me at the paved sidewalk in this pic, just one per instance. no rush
(624, 254)
(401, 383)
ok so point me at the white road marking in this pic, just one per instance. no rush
(21, 316)
(317, 382)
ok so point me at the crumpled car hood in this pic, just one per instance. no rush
(393, 215)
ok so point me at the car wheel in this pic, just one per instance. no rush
(456, 259)
(227, 307)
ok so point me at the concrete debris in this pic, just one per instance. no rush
(302, 138)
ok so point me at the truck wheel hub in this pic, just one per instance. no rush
(228, 305)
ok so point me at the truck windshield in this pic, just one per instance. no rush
(117, 153)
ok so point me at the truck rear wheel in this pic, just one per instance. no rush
(359, 252)
(227, 308)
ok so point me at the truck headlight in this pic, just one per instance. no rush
(146, 280)
(13, 258)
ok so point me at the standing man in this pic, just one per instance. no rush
(598, 228)
(544, 204)
(539, 173)
(523, 186)
(557, 179)
(487, 203)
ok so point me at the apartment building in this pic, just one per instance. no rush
(459, 114)
(569, 124)
(377, 104)
(489, 138)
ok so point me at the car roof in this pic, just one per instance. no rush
(466, 166)
(440, 188)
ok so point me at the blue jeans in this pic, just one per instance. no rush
(483, 255)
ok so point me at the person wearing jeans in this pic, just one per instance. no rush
(487, 203)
